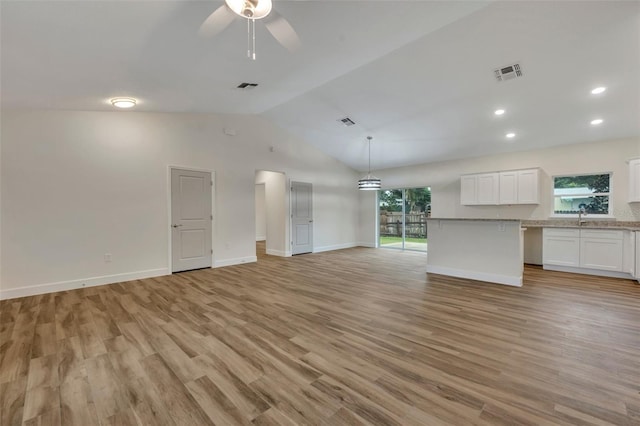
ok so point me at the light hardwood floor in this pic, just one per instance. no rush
(357, 336)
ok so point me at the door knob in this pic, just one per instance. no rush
(175, 226)
(310, 221)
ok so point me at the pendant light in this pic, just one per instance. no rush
(369, 183)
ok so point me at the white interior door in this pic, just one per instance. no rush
(190, 220)
(301, 217)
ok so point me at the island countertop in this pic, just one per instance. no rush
(475, 219)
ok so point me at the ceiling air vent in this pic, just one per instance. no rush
(247, 86)
(347, 121)
(508, 73)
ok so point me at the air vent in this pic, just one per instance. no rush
(347, 121)
(247, 86)
(508, 73)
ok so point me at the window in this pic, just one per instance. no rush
(589, 193)
(403, 214)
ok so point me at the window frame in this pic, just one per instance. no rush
(609, 194)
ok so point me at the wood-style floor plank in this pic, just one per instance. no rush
(351, 337)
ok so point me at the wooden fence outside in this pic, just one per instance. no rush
(415, 224)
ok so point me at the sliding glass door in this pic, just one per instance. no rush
(403, 214)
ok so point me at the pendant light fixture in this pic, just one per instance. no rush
(369, 183)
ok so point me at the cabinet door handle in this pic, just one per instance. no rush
(175, 226)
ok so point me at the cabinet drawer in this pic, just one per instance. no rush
(561, 232)
(601, 233)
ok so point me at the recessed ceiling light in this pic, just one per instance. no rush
(499, 112)
(123, 102)
(510, 135)
(598, 90)
(597, 121)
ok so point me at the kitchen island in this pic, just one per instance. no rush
(480, 249)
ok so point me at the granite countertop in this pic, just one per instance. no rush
(556, 223)
(475, 220)
(573, 223)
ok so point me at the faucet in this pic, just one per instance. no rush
(581, 213)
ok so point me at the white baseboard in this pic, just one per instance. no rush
(235, 261)
(272, 252)
(363, 244)
(479, 276)
(82, 283)
(335, 247)
(261, 238)
(586, 271)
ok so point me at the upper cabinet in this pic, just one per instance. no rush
(479, 189)
(512, 187)
(634, 180)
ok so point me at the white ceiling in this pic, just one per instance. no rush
(416, 75)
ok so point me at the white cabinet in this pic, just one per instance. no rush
(637, 268)
(510, 187)
(488, 185)
(479, 189)
(519, 187)
(599, 249)
(528, 192)
(629, 252)
(561, 246)
(634, 180)
(468, 191)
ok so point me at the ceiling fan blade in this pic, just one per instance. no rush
(216, 22)
(282, 31)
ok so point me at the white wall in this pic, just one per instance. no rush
(76, 185)
(368, 213)
(261, 213)
(276, 202)
(444, 180)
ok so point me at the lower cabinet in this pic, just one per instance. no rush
(583, 248)
(602, 254)
(561, 246)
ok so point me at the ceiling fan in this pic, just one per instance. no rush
(251, 10)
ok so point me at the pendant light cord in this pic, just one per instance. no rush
(251, 38)
(369, 139)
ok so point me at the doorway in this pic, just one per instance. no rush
(191, 219)
(403, 213)
(271, 210)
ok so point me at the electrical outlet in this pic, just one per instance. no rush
(107, 257)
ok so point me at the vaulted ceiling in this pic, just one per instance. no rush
(418, 76)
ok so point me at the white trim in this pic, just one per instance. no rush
(479, 276)
(261, 238)
(587, 271)
(81, 283)
(369, 245)
(335, 247)
(234, 261)
(273, 252)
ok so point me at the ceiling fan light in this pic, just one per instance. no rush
(250, 9)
